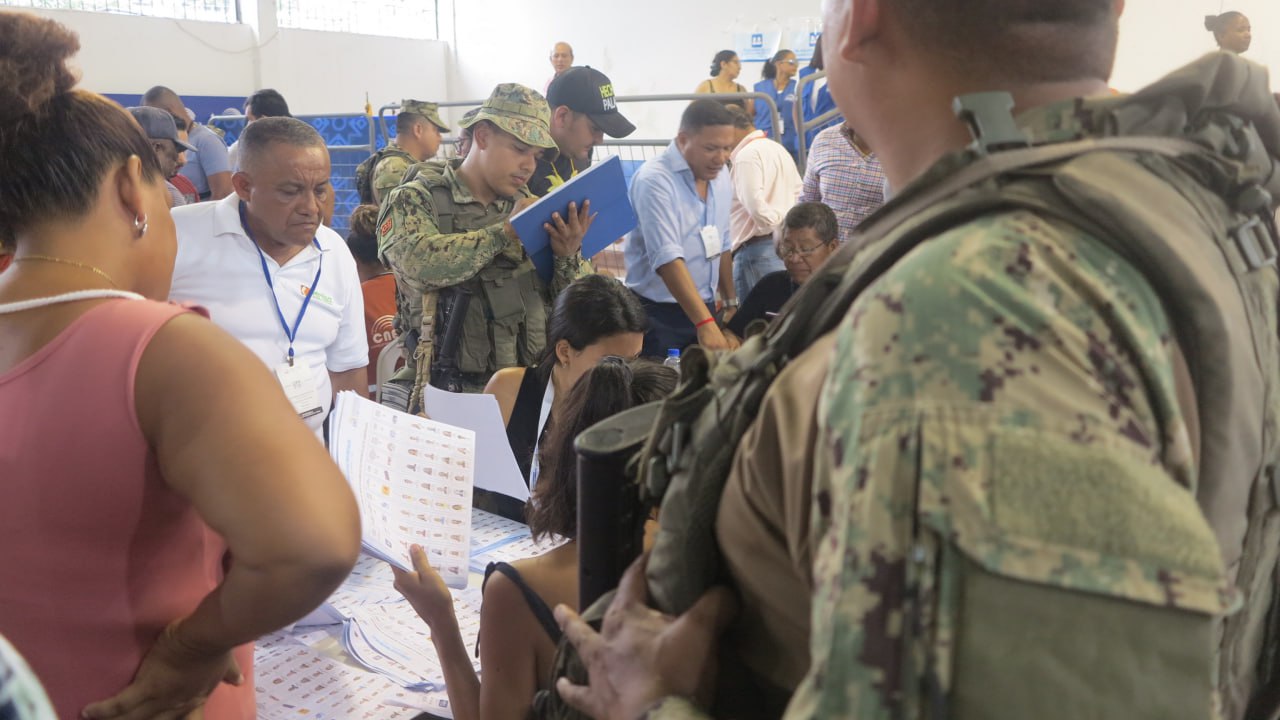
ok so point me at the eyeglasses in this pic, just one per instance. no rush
(786, 251)
(792, 61)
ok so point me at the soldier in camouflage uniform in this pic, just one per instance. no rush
(418, 128)
(977, 496)
(445, 234)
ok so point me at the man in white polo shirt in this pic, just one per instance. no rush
(272, 274)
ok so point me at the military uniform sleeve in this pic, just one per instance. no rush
(566, 270)
(387, 176)
(1003, 505)
(425, 259)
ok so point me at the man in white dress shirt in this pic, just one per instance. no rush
(765, 186)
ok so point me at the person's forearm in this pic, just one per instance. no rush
(727, 290)
(460, 679)
(675, 275)
(437, 261)
(357, 380)
(253, 601)
(220, 185)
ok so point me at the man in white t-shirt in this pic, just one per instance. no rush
(271, 274)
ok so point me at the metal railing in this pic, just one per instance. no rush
(803, 126)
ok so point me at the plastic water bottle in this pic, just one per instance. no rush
(673, 359)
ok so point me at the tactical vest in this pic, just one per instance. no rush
(1180, 180)
(365, 170)
(505, 324)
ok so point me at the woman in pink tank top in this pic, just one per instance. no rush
(161, 504)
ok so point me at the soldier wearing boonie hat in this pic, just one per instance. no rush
(444, 232)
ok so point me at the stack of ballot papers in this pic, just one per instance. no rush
(374, 628)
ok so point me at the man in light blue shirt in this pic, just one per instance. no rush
(678, 255)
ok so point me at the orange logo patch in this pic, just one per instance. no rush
(386, 227)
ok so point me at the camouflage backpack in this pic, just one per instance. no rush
(1180, 179)
(364, 171)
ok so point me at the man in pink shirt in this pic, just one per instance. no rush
(765, 186)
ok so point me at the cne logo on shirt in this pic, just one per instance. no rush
(319, 296)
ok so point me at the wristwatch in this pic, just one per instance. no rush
(731, 303)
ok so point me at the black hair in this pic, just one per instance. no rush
(741, 120)
(57, 142)
(406, 120)
(258, 137)
(1017, 41)
(362, 236)
(815, 62)
(815, 216)
(591, 309)
(267, 103)
(704, 113)
(721, 57)
(1219, 24)
(612, 386)
(770, 70)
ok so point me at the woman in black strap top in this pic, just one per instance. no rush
(517, 632)
(726, 66)
(593, 317)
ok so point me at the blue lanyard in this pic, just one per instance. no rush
(306, 300)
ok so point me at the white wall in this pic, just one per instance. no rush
(1157, 36)
(653, 47)
(318, 72)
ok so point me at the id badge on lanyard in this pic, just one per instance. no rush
(296, 378)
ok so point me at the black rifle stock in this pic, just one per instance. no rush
(610, 515)
(444, 371)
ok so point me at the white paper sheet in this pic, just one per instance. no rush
(496, 468)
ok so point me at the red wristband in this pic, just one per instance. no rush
(704, 322)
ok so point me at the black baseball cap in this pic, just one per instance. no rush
(588, 91)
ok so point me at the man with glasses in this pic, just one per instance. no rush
(583, 111)
(810, 234)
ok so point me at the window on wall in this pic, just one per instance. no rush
(227, 11)
(397, 18)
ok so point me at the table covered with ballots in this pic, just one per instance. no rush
(365, 653)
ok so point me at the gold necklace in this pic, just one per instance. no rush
(73, 263)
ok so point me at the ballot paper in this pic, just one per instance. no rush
(293, 681)
(412, 478)
(496, 468)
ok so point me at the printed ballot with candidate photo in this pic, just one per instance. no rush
(412, 478)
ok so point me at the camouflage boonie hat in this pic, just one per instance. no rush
(428, 110)
(519, 110)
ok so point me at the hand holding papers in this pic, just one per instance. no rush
(605, 187)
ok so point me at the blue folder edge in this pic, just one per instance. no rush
(606, 187)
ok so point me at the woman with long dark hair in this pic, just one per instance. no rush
(141, 442)
(518, 634)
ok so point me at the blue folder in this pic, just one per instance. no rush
(604, 185)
